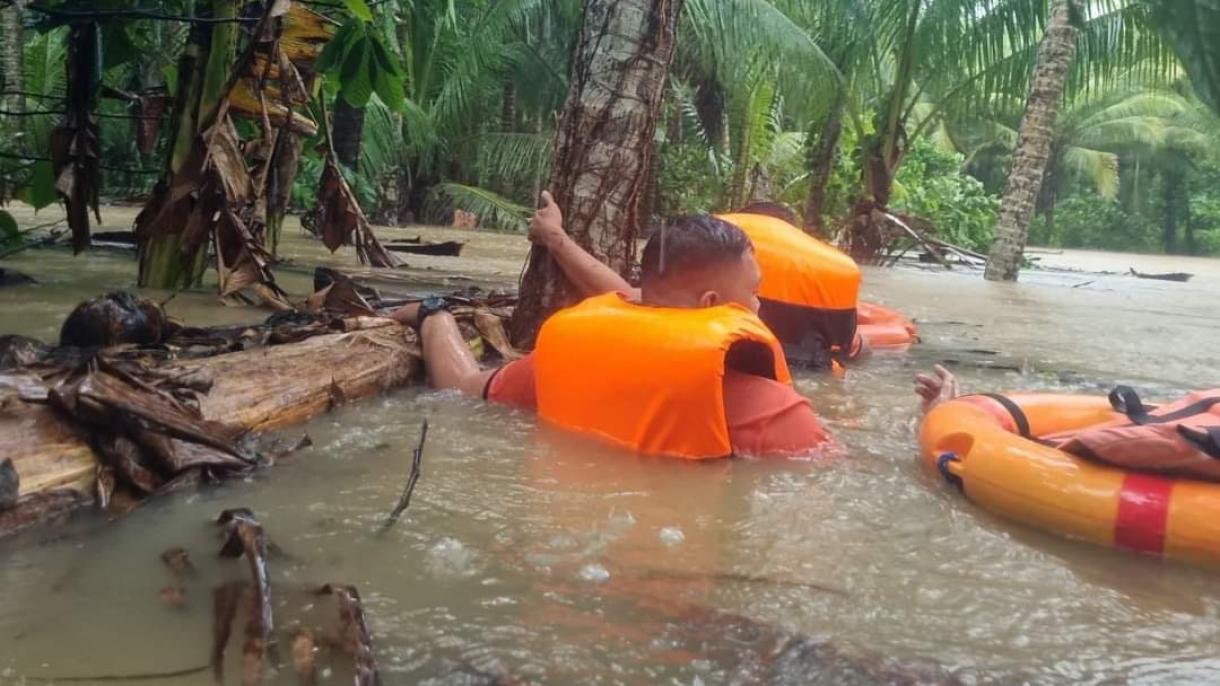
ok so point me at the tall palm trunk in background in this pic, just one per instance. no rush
(710, 107)
(1173, 181)
(508, 108)
(12, 67)
(604, 143)
(821, 164)
(1032, 153)
(347, 133)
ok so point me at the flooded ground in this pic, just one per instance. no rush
(535, 557)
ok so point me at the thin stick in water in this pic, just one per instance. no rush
(405, 499)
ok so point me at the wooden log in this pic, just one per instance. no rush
(1181, 277)
(261, 389)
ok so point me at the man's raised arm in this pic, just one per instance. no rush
(585, 271)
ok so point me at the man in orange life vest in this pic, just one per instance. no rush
(696, 263)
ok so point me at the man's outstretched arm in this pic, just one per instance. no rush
(585, 271)
(447, 359)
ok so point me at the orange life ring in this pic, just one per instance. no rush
(1018, 478)
(885, 329)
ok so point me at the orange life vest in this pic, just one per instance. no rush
(1179, 439)
(650, 378)
(809, 288)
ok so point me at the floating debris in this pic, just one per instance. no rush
(173, 596)
(405, 499)
(1181, 277)
(179, 562)
(305, 657)
(417, 247)
(225, 599)
(10, 484)
(355, 639)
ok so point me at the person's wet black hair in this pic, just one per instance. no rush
(771, 209)
(698, 240)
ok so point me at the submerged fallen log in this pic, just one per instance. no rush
(9, 277)
(355, 639)
(304, 371)
(1181, 277)
(417, 247)
(124, 240)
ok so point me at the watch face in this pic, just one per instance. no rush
(430, 306)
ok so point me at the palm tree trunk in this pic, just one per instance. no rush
(1032, 153)
(710, 106)
(604, 143)
(1048, 196)
(1172, 181)
(508, 108)
(879, 160)
(347, 133)
(536, 181)
(12, 66)
(1191, 245)
(821, 164)
(648, 198)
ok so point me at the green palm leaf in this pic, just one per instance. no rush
(492, 209)
(1192, 27)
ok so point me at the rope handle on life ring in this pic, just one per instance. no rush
(949, 464)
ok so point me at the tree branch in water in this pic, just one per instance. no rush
(405, 499)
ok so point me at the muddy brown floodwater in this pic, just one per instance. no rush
(540, 557)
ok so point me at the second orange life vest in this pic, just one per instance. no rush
(650, 378)
(809, 289)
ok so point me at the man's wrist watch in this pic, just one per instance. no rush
(429, 307)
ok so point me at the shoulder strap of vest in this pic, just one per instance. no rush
(1126, 401)
(1205, 438)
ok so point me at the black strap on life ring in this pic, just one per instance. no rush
(1126, 401)
(1205, 438)
(1018, 415)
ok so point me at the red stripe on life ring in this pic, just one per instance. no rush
(1143, 512)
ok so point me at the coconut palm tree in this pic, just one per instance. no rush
(605, 139)
(12, 43)
(1072, 49)
(1089, 136)
(1034, 144)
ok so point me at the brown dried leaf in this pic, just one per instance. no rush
(244, 101)
(491, 328)
(291, 83)
(74, 154)
(225, 159)
(285, 161)
(279, 8)
(305, 34)
(151, 109)
(338, 213)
